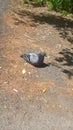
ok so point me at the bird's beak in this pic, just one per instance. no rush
(21, 56)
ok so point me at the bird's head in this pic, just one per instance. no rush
(43, 54)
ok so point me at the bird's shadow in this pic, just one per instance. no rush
(44, 65)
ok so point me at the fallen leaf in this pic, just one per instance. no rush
(29, 97)
(15, 90)
(44, 90)
(23, 71)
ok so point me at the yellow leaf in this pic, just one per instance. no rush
(29, 97)
(44, 90)
(23, 71)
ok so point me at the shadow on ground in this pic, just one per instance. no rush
(63, 25)
(66, 61)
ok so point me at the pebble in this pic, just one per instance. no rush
(29, 73)
(5, 106)
(37, 76)
(52, 90)
(26, 79)
(5, 82)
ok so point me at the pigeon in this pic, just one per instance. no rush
(34, 59)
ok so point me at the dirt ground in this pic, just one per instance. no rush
(34, 98)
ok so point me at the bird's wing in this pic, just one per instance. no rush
(34, 58)
(41, 58)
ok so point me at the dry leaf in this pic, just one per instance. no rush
(44, 90)
(15, 90)
(23, 71)
(29, 97)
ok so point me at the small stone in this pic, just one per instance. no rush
(26, 79)
(60, 106)
(29, 73)
(52, 90)
(5, 82)
(5, 106)
(37, 76)
(25, 64)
